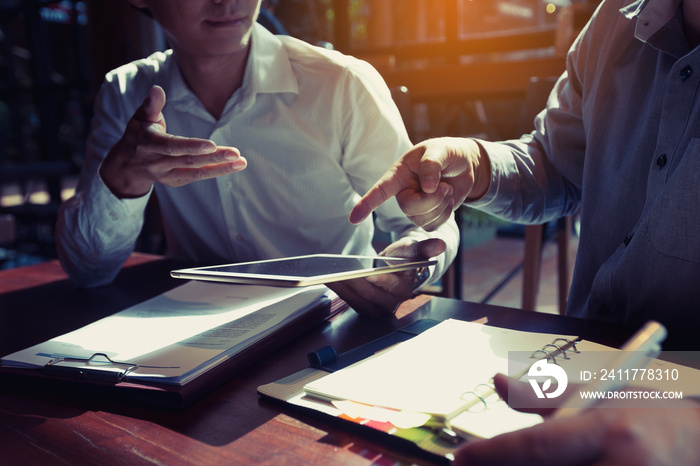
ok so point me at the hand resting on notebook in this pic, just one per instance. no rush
(655, 434)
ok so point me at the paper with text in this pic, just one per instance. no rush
(180, 333)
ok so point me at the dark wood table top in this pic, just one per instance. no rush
(231, 425)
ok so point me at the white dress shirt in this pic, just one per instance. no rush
(317, 128)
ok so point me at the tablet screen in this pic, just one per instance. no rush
(302, 270)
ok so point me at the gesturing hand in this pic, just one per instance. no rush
(429, 182)
(147, 154)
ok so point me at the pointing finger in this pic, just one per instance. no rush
(400, 176)
(386, 188)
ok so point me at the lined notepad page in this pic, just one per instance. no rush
(430, 372)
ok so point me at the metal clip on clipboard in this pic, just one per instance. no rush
(99, 366)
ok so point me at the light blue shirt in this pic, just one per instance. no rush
(318, 128)
(620, 138)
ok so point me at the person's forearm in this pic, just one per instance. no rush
(525, 187)
(94, 238)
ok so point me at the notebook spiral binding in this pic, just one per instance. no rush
(480, 397)
(559, 349)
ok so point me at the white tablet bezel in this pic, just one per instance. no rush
(209, 274)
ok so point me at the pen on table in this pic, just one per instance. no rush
(644, 345)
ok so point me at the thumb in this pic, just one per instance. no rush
(152, 107)
(431, 247)
(430, 172)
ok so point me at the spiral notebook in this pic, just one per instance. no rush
(430, 384)
(443, 372)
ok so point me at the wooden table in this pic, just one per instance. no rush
(232, 425)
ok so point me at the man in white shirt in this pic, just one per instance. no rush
(315, 129)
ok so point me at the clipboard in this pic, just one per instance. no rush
(103, 378)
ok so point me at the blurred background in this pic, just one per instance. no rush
(456, 67)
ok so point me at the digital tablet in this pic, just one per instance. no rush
(302, 270)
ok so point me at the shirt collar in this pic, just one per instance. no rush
(268, 70)
(178, 90)
(651, 16)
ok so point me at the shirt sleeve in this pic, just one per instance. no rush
(537, 178)
(374, 137)
(95, 231)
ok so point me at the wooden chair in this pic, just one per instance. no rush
(535, 238)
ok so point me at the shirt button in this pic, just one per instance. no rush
(627, 240)
(686, 73)
(114, 216)
(661, 161)
(239, 237)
